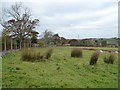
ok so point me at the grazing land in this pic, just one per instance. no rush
(60, 71)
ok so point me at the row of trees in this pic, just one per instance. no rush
(52, 39)
(18, 25)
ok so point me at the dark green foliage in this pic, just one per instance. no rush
(41, 43)
(34, 39)
(76, 53)
(109, 59)
(49, 53)
(94, 58)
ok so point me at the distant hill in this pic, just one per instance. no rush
(111, 40)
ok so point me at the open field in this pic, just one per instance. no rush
(98, 48)
(61, 71)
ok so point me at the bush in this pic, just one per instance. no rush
(41, 43)
(49, 53)
(109, 59)
(76, 53)
(94, 58)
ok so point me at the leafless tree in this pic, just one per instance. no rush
(47, 37)
(19, 24)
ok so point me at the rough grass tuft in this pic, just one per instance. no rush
(76, 53)
(109, 59)
(49, 53)
(94, 58)
(33, 55)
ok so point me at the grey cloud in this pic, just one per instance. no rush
(70, 19)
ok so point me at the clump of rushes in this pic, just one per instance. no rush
(29, 55)
(33, 55)
(25, 54)
(76, 52)
(109, 59)
(48, 53)
(94, 58)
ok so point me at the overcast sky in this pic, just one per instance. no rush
(70, 18)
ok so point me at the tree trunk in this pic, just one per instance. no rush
(11, 44)
(24, 45)
(30, 43)
(16, 45)
(20, 44)
(5, 44)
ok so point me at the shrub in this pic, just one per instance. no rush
(109, 59)
(94, 58)
(76, 53)
(49, 53)
(41, 43)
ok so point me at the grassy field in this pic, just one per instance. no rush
(98, 48)
(61, 71)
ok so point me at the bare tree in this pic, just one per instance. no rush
(20, 24)
(47, 37)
